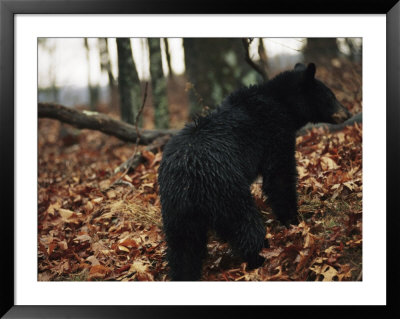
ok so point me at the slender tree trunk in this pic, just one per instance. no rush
(168, 55)
(128, 81)
(50, 48)
(105, 66)
(215, 67)
(93, 90)
(263, 55)
(52, 73)
(355, 50)
(158, 84)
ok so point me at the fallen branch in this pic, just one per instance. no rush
(127, 132)
(99, 122)
(331, 127)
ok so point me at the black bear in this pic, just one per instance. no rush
(208, 167)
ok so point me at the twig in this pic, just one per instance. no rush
(284, 45)
(140, 113)
(246, 43)
(122, 183)
(138, 135)
(133, 162)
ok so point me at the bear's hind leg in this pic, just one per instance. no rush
(242, 226)
(186, 248)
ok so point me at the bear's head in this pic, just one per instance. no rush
(322, 102)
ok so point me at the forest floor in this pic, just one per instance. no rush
(88, 230)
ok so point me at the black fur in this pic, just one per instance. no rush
(208, 167)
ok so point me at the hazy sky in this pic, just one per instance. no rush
(67, 64)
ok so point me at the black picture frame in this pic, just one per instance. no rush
(8, 10)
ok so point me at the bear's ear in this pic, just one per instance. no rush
(310, 71)
(299, 67)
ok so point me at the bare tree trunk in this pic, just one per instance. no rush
(105, 66)
(263, 55)
(168, 55)
(158, 84)
(355, 49)
(93, 90)
(128, 81)
(215, 68)
(52, 90)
